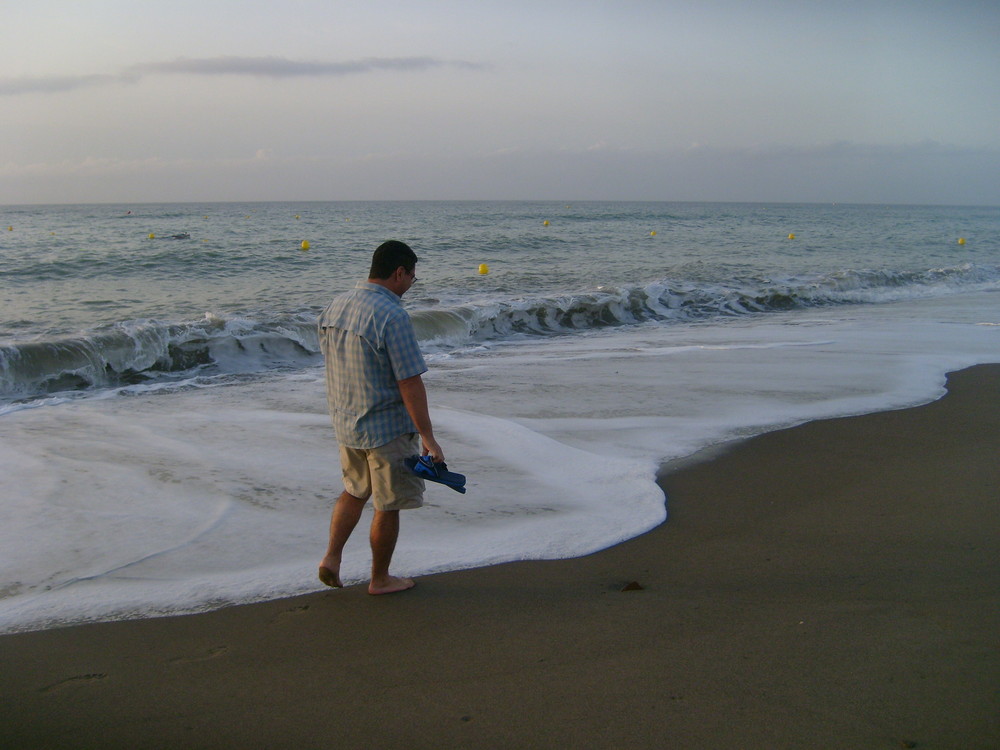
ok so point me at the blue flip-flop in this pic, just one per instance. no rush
(425, 468)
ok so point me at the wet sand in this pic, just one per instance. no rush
(834, 585)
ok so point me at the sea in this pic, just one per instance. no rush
(164, 441)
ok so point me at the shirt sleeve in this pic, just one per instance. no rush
(402, 347)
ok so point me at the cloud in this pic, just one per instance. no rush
(922, 172)
(53, 84)
(259, 67)
(281, 67)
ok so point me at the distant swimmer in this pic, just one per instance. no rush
(181, 236)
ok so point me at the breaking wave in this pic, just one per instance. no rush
(142, 352)
(669, 300)
(152, 352)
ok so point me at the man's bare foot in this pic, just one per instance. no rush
(391, 585)
(330, 577)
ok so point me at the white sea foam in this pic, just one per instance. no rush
(179, 501)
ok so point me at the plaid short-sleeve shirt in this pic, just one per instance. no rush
(369, 344)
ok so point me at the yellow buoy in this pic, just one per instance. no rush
(296, 216)
(484, 269)
(961, 240)
(791, 236)
(545, 223)
(152, 236)
(10, 229)
(305, 244)
(653, 233)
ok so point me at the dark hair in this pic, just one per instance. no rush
(389, 256)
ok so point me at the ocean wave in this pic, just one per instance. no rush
(137, 352)
(152, 352)
(672, 300)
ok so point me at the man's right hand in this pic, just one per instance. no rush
(432, 449)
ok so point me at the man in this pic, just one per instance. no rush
(378, 406)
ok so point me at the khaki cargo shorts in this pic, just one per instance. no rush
(379, 474)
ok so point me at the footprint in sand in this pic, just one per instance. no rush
(80, 679)
(290, 611)
(212, 653)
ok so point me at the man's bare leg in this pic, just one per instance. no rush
(345, 516)
(384, 533)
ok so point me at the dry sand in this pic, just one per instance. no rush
(834, 585)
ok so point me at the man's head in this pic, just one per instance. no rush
(394, 266)
(389, 256)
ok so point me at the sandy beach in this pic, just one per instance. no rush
(833, 585)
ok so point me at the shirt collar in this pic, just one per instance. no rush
(378, 289)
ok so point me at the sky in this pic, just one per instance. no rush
(118, 101)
